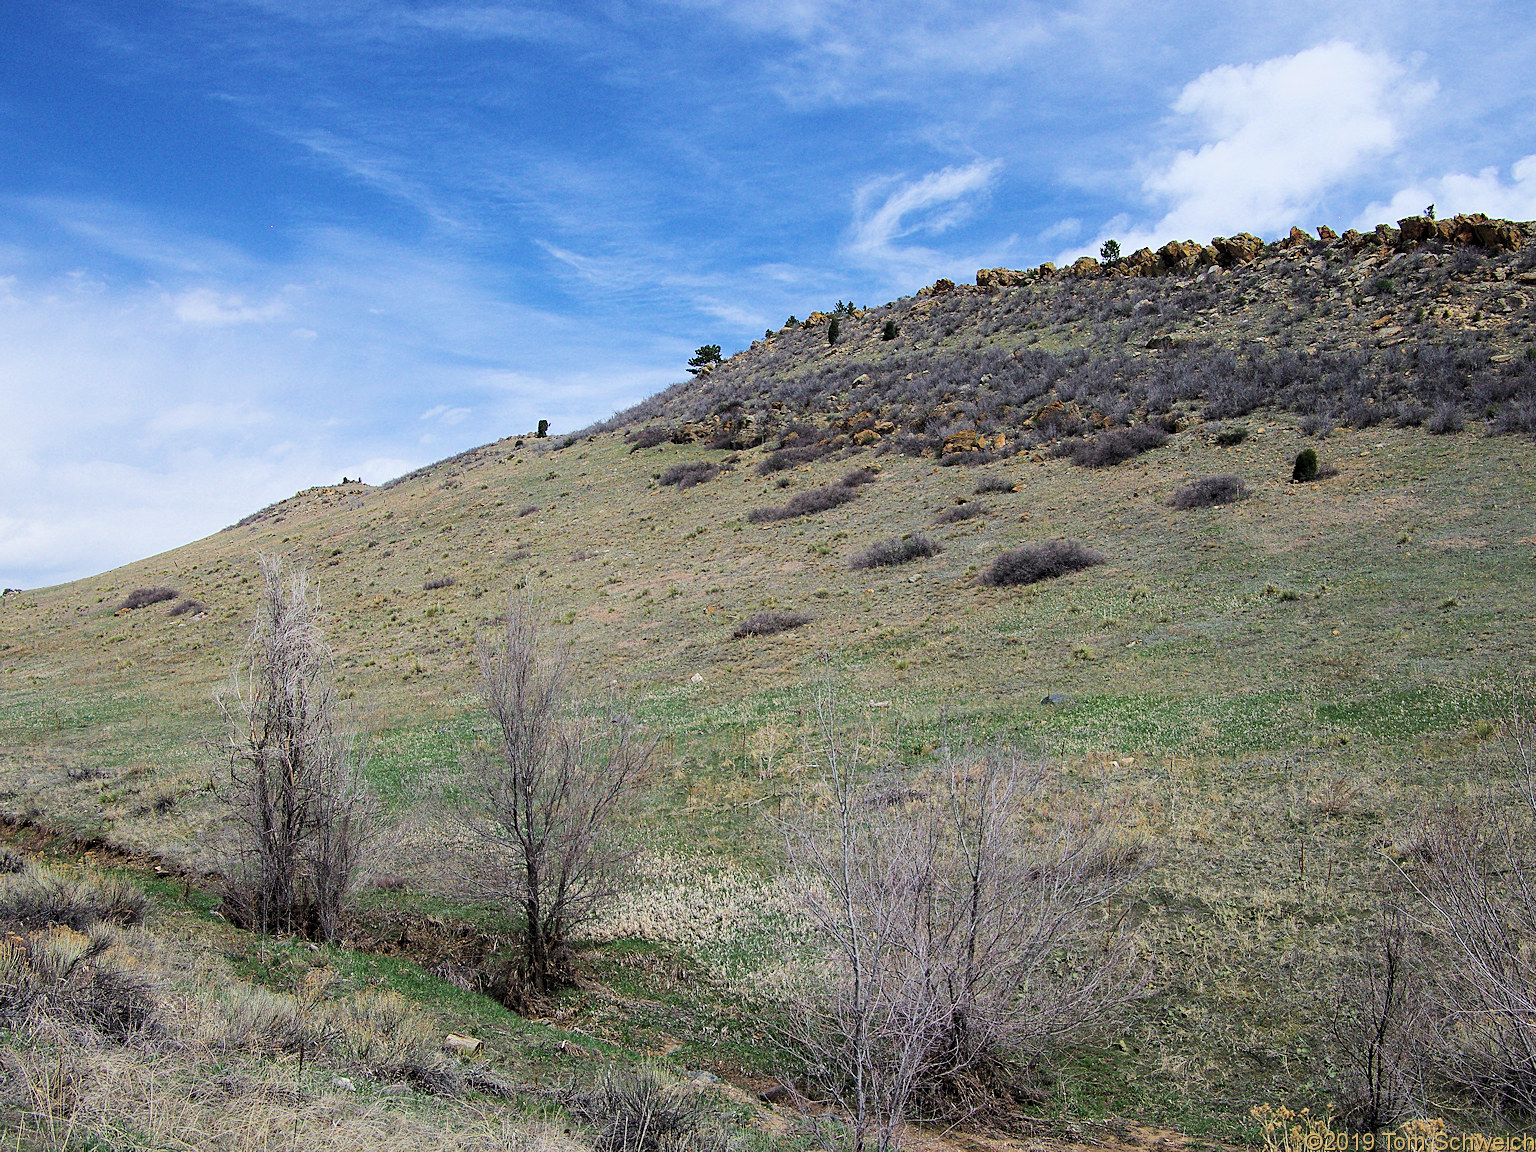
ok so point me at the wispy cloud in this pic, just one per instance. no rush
(887, 212)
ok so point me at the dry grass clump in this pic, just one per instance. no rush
(143, 597)
(990, 484)
(961, 512)
(86, 980)
(896, 550)
(440, 582)
(1209, 491)
(805, 504)
(688, 474)
(636, 1112)
(1035, 562)
(527, 510)
(767, 623)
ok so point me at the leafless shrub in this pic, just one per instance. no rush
(783, 458)
(896, 550)
(302, 814)
(989, 484)
(11, 862)
(650, 436)
(515, 555)
(1036, 562)
(440, 582)
(688, 474)
(952, 936)
(767, 623)
(1209, 491)
(183, 607)
(805, 504)
(1474, 872)
(1446, 418)
(1376, 1024)
(635, 1112)
(859, 476)
(544, 802)
(959, 512)
(967, 459)
(1110, 448)
(527, 510)
(142, 597)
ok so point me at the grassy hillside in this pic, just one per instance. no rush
(1270, 692)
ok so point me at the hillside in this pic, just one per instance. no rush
(1271, 691)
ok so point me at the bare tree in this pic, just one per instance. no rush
(543, 802)
(954, 938)
(303, 815)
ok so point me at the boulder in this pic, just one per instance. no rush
(1142, 262)
(860, 381)
(1387, 235)
(967, 441)
(1326, 233)
(1000, 278)
(1353, 240)
(1046, 270)
(1415, 229)
(1084, 266)
(885, 427)
(942, 285)
(866, 437)
(1296, 239)
(1243, 248)
(462, 1045)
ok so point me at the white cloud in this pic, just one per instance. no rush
(889, 211)
(1274, 139)
(1457, 192)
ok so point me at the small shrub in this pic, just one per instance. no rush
(1227, 437)
(890, 331)
(967, 459)
(440, 582)
(860, 476)
(767, 623)
(185, 607)
(86, 980)
(11, 862)
(688, 474)
(634, 1112)
(1305, 467)
(1446, 418)
(1110, 448)
(37, 897)
(1209, 491)
(896, 550)
(834, 329)
(651, 436)
(1035, 562)
(989, 484)
(543, 430)
(528, 510)
(961, 512)
(805, 504)
(142, 597)
(783, 458)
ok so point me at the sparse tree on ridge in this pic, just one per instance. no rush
(1110, 252)
(705, 358)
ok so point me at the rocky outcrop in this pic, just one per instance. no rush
(1243, 248)
(1476, 229)
(973, 441)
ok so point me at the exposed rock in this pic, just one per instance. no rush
(967, 441)
(866, 437)
(1046, 270)
(1296, 239)
(1326, 233)
(1240, 249)
(942, 285)
(1142, 262)
(1353, 240)
(1056, 698)
(860, 381)
(1084, 266)
(885, 427)
(1000, 278)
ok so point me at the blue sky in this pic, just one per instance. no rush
(247, 246)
